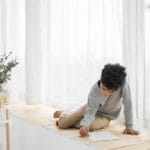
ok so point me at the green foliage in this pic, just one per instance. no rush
(6, 65)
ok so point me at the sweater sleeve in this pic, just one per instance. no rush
(91, 109)
(127, 106)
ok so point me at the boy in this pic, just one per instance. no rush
(104, 104)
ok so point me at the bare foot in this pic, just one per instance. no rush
(57, 113)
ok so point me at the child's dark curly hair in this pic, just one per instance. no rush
(113, 76)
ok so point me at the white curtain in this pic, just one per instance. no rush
(67, 44)
(136, 56)
(2, 26)
(12, 38)
(62, 46)
(147, 64)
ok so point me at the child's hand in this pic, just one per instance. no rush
(84, 131)
(130, 131)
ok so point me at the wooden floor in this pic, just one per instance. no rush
(43, 115)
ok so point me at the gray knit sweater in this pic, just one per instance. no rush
(108, 106)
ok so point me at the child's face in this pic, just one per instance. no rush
(105, 90)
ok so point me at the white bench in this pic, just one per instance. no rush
(33, 128)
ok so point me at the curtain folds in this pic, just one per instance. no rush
(62, 45)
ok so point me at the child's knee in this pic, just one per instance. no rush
(93, 128)
(61, 124)
(100, 123)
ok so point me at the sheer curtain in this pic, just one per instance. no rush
(12, 38)
(62, 46)
(147, 63)
(67, 44)
(2, 26)
(134, 54)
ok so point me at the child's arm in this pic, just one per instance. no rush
(91, 108)
(128, 111)
(127, 106)
(89, 116)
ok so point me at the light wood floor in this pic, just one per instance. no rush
(42, 115)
